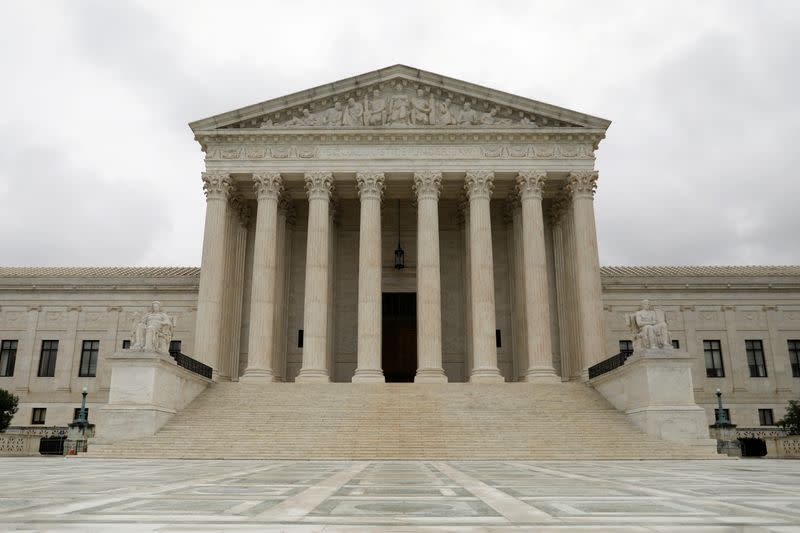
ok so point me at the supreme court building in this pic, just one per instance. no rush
(402, 226)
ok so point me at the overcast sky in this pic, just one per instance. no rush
(98, 166)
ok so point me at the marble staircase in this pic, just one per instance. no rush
(400, 421)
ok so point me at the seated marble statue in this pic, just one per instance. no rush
(649, 327)
(152, 332)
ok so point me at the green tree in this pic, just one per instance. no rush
(8, 406)
(792, 419)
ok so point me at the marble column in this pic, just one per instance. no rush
(463, 211)
(479, 185)
(268, 187)
(581, 185)
(537, 300)
(370, 191)
(224, 371)
(319, 186)
(573, 324)
(562, 299)
(281, 289)
(242, 221)
(217, 187)
(518, 297)
(427, 187)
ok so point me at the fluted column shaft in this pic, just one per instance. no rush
(559, 258)
(268, 187)
(518, 298)
(427, 187)
(479, 186)
(537, 301)
(370, 191)
(581, 185)
(315, 309)
(217, 187)
(281, 288)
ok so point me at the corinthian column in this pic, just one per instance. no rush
(315, 308)
(427, 186)
(581, 185)
(370, 191)
(268, 187)
(479, 185)
(537, 302)
(217, 188)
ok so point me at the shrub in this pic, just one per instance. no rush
(8, 407)
(792, 419)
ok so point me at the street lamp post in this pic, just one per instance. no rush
(82, 413)
(721, 418)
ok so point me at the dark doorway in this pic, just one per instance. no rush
(399, 350)
(752, 447)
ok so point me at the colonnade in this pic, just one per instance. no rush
(579, 307)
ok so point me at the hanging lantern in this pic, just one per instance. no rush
(399, 254)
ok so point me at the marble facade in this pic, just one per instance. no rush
(491, 197)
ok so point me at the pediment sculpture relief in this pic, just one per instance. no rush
(402, 105)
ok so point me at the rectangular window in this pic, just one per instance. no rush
(38, 415)
(713, 352)
(498, 339)
(676, 344)
(727, 415)
(126, 344)
(8, 358)
(299, 338)
(755, 358)
(626, 346)
(794, 357)
(47, 359)
(174, 347)
(89, 353)
(765, 417)
(77, 411)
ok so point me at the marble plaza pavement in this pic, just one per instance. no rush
(57, 494)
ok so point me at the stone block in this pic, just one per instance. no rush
(19, 445)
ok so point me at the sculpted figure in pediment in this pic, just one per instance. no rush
(334, 115)
(468, 116)
(421, 108)
(443, 115)
(375, 109)
(399, 109)
(487, 119)
(353, 114)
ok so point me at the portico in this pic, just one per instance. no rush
(490, 195)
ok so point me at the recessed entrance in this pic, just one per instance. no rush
(399, 350)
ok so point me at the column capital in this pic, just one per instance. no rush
(240, 208)
(216, 185)
(319, 185)
(530, 183)
(557, 210)
(512, 204)
(370, 184)
(427, 184)
(582, 183)
(479, 184)
(268, 185)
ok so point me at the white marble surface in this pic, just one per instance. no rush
(57, 494)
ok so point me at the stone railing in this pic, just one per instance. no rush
(18, 445)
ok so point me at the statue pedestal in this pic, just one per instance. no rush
(727, 441)
(654, 389)
(147, 389)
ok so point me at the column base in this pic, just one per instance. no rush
(368, 375)
(257, 375)
(541, 375)
(312, 375)
(430, 375)
(486, 375)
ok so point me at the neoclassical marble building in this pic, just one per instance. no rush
(402, 226)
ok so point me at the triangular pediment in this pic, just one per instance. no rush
(399, 97)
